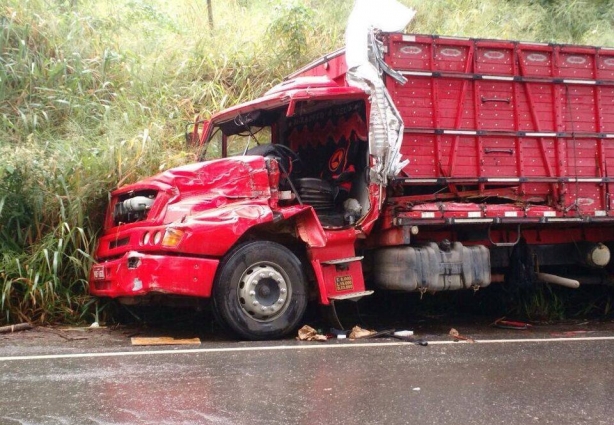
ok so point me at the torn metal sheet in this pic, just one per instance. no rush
(386, 125)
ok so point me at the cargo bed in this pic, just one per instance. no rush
(526, 121)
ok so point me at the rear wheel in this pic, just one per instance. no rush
(260, 291)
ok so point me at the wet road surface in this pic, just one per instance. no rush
(547, 375)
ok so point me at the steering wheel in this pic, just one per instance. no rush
(288, 159)
(293, 159)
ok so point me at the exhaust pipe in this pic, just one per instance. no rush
(558, 280)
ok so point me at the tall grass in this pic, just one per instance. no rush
(94, 95)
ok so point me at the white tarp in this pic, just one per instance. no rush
(386, 126)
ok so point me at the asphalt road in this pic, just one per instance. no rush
(548, 375)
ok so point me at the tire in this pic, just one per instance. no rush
(260, 291)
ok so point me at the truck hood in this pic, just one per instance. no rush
(241, 176)
(192, 189)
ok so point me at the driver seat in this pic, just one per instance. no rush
(318, 193)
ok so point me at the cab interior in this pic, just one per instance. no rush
(321, 149)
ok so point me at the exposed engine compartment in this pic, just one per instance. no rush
(133, 207)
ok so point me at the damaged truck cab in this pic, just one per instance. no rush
(443, 164)
(260, 231)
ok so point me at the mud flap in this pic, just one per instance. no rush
(521, 271)
(329, 313)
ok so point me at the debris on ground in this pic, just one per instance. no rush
(338, 333)
(15, 328)
(569, 334)
(509, 324)
(458, 337)
(410, 338)
(164, 340)
(358, 332)
(406, 336)
(307, 333)
(62, 335)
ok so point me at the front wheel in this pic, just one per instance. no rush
(260, 291)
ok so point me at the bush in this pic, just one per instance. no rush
(94, 95)
(289, 30)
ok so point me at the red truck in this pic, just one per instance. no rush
(508, 150)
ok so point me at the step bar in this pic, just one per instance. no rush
(342, 261)
(354, 296)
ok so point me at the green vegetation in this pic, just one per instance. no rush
(94, 95)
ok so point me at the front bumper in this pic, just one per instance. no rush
(137, 274)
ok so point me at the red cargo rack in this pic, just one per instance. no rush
(485, 116)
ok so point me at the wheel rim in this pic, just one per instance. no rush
(264, 292)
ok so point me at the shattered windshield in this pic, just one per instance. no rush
(236, 144)
(241, 133)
